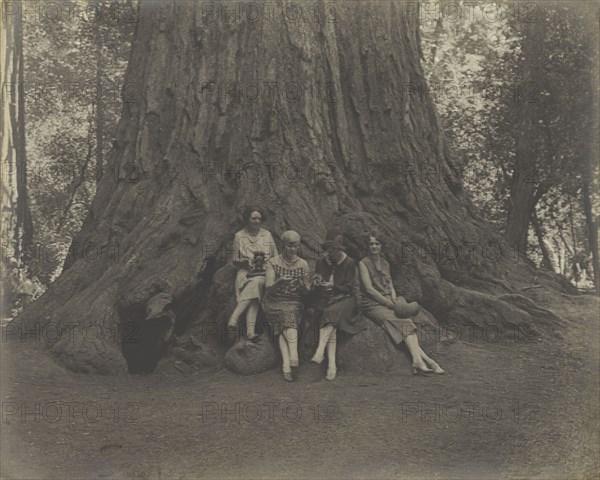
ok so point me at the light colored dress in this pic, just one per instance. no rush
(245, 245)
(282, 303)
(397, 328)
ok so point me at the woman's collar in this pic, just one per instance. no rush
(261, 232)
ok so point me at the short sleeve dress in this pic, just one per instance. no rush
(244, 246)
(282, 303)
(397, 328)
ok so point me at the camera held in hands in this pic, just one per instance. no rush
(258, 265)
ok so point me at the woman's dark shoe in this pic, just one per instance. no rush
(253, 337)
(287, 376)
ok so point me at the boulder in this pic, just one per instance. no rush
(247, 358)
(197, 353)
(373, 352)
(370, 351)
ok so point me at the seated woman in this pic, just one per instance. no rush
(336, 302)
(253, 246)
(287, 280)
(380, 303)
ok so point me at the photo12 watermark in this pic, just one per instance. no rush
(470, 412)
(268, 412)
(56, 411)
(76, 93)
(52, 332)
(111, 12)
(222, 92)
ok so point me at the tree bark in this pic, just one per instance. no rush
(524, 177)
(303, 112)
(546, 260)
(99, 103)
(24, 232)
(8, 198)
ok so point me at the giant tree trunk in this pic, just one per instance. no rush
(305, 113)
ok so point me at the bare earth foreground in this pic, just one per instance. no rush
(515, 408)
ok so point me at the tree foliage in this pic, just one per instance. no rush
(475, 69)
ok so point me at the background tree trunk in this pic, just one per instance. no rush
(525, 178)
(100, 92)
(546, 260)
(24, 230)
(592, 227)
(17, 227)
(8, 197)
(306, 112)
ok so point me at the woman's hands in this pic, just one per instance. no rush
(283, 279)
(319, 282)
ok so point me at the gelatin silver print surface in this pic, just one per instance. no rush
(309, 239)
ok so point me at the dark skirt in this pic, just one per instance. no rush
(282, 314)
(341, 312)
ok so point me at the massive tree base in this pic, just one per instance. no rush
(349, 146)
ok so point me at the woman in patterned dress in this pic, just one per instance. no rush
(287, 280)
(380, 303)
(253, 247)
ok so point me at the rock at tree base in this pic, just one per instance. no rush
(372, 350)
(248, 358)
(193, 351)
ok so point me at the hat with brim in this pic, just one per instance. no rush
(333, 238)
(290, 236)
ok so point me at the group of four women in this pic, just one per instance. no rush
(279, 283)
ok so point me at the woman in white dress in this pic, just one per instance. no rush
(253, 247)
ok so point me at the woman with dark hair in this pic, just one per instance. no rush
(287, 280)
(380, 303)
(336, 306)
(253, 247)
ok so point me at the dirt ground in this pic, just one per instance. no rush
(521, 408)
